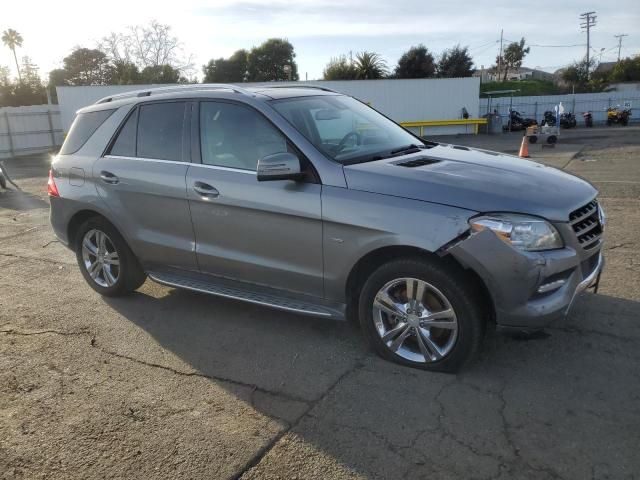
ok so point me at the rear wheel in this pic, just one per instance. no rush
(105, 260)
(421, 313)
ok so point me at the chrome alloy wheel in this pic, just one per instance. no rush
(100, 258)
(415, 320)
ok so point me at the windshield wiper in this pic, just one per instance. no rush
(411, 148)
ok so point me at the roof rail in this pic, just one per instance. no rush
(316, 87)
(180, 88)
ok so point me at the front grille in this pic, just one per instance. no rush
(585, 222)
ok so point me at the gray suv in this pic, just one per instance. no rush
(310, 201)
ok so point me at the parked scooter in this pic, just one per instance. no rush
(618, 115)
(588, 119)
(568, 120)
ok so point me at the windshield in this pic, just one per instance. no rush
(345, 129)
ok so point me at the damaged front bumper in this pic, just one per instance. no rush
(529, 290)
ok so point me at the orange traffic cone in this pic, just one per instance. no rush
(524, 148)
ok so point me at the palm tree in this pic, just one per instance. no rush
(13, 39)
(370, 65)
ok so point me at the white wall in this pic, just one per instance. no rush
(401, 100)
(30, 129)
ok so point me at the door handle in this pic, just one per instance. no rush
(205, 190)
(108, 177)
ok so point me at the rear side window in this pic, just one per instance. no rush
(160, 131)
(84, 125)
(125, 144)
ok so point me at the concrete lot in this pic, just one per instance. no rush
(172, 384)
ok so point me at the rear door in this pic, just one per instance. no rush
(142, 180)
(268, 233)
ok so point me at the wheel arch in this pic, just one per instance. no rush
(81, 216)
(375, 258)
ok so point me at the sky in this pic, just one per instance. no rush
(321, 29)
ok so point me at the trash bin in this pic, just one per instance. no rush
(494, 123)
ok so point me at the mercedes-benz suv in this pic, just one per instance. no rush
(310, 201)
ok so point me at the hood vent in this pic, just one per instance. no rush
(417, 162)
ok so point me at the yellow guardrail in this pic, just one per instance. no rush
(443, 123)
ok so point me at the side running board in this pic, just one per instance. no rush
(260, 298)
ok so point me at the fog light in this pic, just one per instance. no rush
(548, 287)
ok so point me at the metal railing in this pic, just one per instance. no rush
(476, 122)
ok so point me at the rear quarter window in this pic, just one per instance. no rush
(84, 125)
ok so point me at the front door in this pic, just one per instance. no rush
(142, 181)
(267, 233)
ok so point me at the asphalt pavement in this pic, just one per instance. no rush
(174, 384)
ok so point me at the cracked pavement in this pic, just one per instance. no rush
(174, 384)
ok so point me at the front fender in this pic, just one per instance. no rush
(357, 223)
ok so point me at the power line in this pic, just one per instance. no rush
(557, 46)
(619, 37)
(588, 20)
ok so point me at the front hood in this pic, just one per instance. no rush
(476, 180)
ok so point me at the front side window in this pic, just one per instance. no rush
(160, 131)
(235, 136)
(345, 129)
(84, 125)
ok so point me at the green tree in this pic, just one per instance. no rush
(85, 66)
(28, 91)
(268, 62)
(417, 62)
(13, 39)
(370, 66)
(577, 74)
(512, 57)
(455, 62)
(340, 68)
(124, 73)
(232, 69)
(626, 70)
(160, 74)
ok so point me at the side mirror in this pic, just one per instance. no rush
(279, 166)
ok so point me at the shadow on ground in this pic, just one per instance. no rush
(532, 409)
(13, 199)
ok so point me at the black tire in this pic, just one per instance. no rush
(551, 139)
(533, 139)
(130, 274)
(462, 295)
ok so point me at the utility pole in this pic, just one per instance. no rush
(500, 56)
(588, 20)
(619, 37)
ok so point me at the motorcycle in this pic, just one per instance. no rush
(518, 122)
(3, 178)
(588, 119)
(549, 118)
(568, 120)
(618, 115)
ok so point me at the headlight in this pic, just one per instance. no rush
(520, 231)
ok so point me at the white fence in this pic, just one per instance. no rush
(401, 100)
(28, 130)
(535, 106)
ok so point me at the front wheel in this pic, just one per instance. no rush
(105, 260)
(422, 314)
